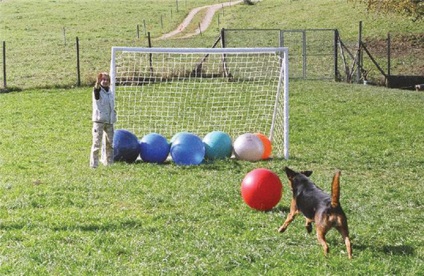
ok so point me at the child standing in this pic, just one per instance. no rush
(104, 116)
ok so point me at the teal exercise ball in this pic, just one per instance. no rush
(218, 145)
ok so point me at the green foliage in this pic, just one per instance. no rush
(58, 216)
(410, 8)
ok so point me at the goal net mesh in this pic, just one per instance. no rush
(168, 91)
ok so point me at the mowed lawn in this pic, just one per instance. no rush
(59, 217)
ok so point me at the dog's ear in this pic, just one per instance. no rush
(307, 173)
(290, 173)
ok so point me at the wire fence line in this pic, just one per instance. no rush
(313, 54)
(323, 54)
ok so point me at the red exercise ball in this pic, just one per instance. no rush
(261, 189)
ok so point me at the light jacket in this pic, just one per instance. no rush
(104, 106)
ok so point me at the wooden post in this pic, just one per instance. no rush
(359, 56)
(144, 25)
(281, 39)
(304, 53)
(149, 41)
(336, 54)
(4, 65)
(389, 46)
(138, 31)
(222, 38)
(78, 63)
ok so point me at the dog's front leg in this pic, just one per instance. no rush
(290, 216)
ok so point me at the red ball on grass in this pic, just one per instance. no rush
(261, 189)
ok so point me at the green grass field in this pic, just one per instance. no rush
(59, 217)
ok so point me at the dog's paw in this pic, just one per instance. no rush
(308, 227)
(282, 229)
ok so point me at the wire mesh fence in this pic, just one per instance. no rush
(313, 54)
(312, 51)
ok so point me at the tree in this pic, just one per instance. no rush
(410, 8)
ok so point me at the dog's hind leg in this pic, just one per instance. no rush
(321, 239)
(343, 230)
(290, 216)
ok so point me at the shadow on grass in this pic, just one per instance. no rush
(110, 226)
(10, 89)
(402, 250)
(280, 209)
(398, 250)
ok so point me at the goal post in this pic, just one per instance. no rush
(199, 90)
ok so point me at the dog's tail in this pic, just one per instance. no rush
(335, 190)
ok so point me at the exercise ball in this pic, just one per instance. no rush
(154, 148)
(187, 149)
(261, 189)
(125, 146)
(248, 147)
(176, 135)
(267, 146)
(218, 145)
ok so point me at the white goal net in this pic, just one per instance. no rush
(199, 90)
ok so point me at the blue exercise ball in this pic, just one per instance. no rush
(125, 146)
(154, 148)
(187, 149)
(176, 135)
(218, 145)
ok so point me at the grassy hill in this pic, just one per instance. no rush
(41, 35)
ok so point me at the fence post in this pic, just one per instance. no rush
(359, 56)
(4, 65)
(281, 39)
(144, 26)
(304, 53)
(64, 36)
(223, 38)
(389, 46)
(149, 40)
(336, 54)
(78, 63)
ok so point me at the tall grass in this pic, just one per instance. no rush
(58, 216)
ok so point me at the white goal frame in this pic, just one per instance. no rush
(123, 86)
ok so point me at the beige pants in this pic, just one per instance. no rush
(102, 134)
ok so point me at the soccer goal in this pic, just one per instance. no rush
(199, 90)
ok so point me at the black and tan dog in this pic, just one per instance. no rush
(318, 207)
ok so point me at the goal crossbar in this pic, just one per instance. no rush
(170, 90)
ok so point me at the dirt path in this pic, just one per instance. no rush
(206, 21)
